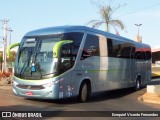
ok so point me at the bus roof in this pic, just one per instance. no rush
(65, 29)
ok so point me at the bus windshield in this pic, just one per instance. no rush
(35, 58)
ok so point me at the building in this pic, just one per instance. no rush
(155, 62)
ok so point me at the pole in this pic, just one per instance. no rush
(10, 30)
(138, 25)
(5, 43)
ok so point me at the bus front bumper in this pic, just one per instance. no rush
(46, 93)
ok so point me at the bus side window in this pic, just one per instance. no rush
(110, 47)
(66, 58)
(132, 55)
(91, 47)
(139, 53)
(148, 55)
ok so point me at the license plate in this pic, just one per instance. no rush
(29, 93)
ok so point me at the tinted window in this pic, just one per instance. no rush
(118, 49)
(66, 59)
(139, 53)
(110, 48)
(133, 49)
(121, 49)
(125, 50)
(147, 53)
(77, 39)
(69, 51)
(91, 47)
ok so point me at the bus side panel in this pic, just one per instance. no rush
(83, 70)
(103, 83)
(119, 72)
(114, 73)
(133, 72)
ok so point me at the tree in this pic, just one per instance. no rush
(106, 12)
(12, 57)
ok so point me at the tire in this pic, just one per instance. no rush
(138, 84)
(84, 93)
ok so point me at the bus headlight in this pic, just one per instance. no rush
(50, 84)
(56, 82)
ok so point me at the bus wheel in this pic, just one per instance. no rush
(84, 92)
(138, 84)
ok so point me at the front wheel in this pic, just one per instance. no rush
(84, 92)
(138, 85)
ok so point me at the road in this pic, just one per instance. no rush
(118, 100)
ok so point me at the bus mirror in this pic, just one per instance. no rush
(57, 47)
(10, 47)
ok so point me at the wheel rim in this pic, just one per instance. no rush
(138, 84)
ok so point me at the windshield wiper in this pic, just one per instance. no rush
(26, 63)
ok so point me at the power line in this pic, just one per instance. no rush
(142, 9)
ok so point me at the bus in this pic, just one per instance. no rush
(156, 62)
(76, 61)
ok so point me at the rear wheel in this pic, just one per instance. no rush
(84, 92)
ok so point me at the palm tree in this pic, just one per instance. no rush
(106, 13)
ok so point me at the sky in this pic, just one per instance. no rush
(28, 15)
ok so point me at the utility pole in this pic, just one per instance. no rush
(4, 22)
(139, 38)
(10, 30)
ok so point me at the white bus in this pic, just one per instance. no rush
(67, 61)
